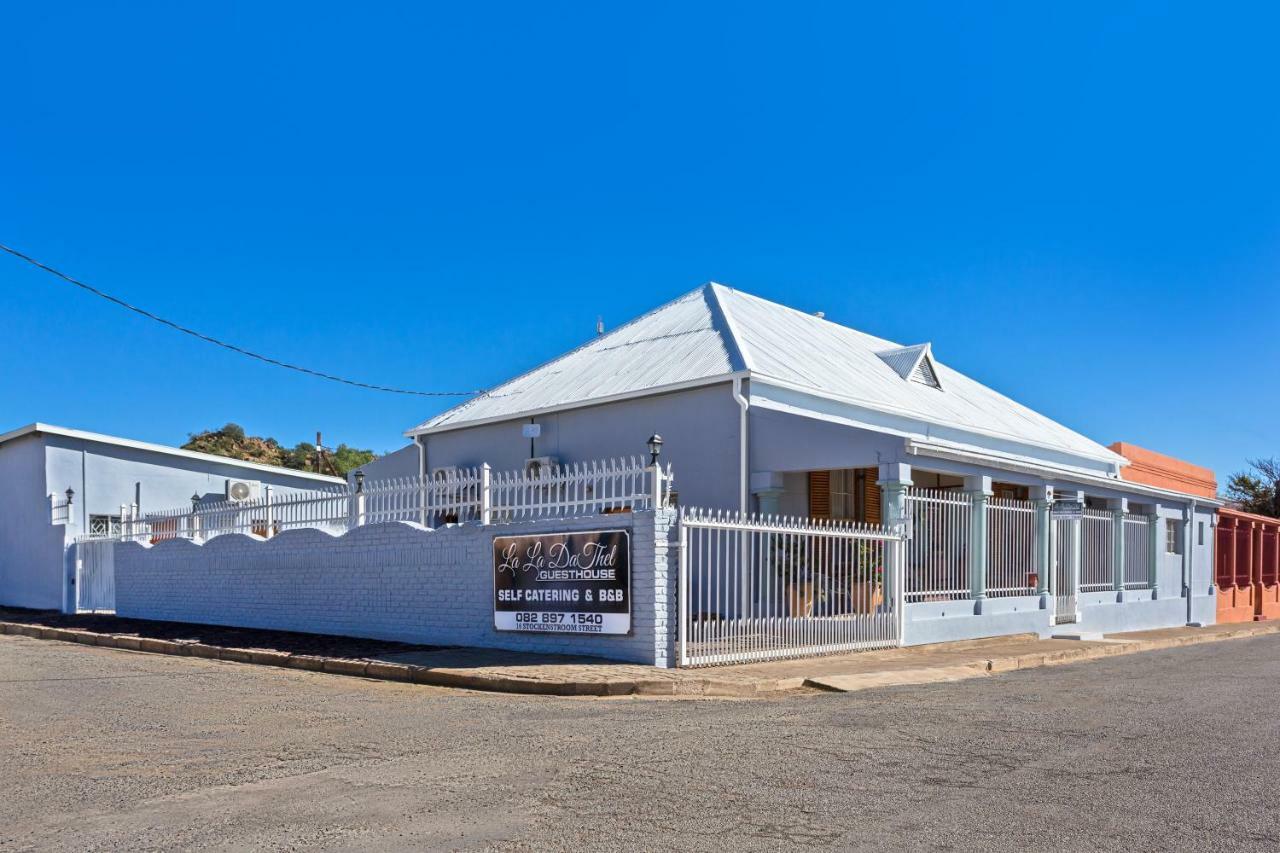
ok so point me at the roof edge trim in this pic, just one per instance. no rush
(102, 438)
(918, 448)
(581, 404)
(763, 379)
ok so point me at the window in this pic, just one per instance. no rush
(841, 494)
(1200, 533)
(845, 493)
(1172, 539)
(104, 525)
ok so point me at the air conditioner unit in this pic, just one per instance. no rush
(242, 490)
(447, 472)
(540, 466)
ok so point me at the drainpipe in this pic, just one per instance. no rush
(742, 443)
(1188, 559)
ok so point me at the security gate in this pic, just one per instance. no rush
(760, 587)
(1065, 536)
(95, 576)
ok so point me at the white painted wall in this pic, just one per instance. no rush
(395, 465)
(31, 547)
(699, 428)
(394, 581)
(36, 568)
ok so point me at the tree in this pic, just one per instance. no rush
(232, 442)
(346, 458)
(1255, 490)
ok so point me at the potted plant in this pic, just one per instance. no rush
(866, 591)
(796, 577)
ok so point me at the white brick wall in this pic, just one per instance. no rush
(388, 581)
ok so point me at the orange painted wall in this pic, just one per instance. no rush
(1248, 566)
(1165, 472)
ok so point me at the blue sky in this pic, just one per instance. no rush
(1078, 204)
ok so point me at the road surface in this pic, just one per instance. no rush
(105, 749)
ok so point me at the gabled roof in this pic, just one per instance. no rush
(101, 438)
(715, 333)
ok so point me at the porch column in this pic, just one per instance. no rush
(1042, 500)
(979, 489)
(767, 486)
(1118, 507)
(1158, 546)
(894, 480)
(1255, 573)
(1076, 533)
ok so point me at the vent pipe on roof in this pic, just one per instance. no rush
(599, 326)
(821, 315)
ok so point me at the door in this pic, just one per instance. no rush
(95, 576)
(1065, 541)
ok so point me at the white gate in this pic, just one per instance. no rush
(1065, 534)
(759, 587)
(95, 576)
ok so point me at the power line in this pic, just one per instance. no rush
(241, 350)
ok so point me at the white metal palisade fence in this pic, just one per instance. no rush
(938, 550)
(1012, 542)
(757, 587)
(1097, 550)
(1097, 555)
(1138, 564)
(461, 495)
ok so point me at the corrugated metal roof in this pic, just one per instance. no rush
(834, 360)
(716, 331)
(678, 343)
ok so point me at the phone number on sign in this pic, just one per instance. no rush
(562, 621)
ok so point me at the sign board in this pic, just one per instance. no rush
(566, 583)
(531, 430)
(1067, 510)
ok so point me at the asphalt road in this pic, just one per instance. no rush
(104, 749)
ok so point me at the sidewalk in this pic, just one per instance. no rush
(516, 672)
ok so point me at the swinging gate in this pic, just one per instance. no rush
(95, 575)
(760, 587)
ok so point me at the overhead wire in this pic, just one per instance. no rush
(230, 346)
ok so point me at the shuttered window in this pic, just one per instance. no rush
(872, 497)
(849, 493)
(820, 494)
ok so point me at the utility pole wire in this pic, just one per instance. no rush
(242, 351)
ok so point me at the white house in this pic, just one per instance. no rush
(766, 408)
(61, 483)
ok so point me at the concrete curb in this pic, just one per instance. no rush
(994, 666)
(390, 671)
(694, 686)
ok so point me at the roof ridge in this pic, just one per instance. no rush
(738, 353)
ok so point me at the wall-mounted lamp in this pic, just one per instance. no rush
(655, 448)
